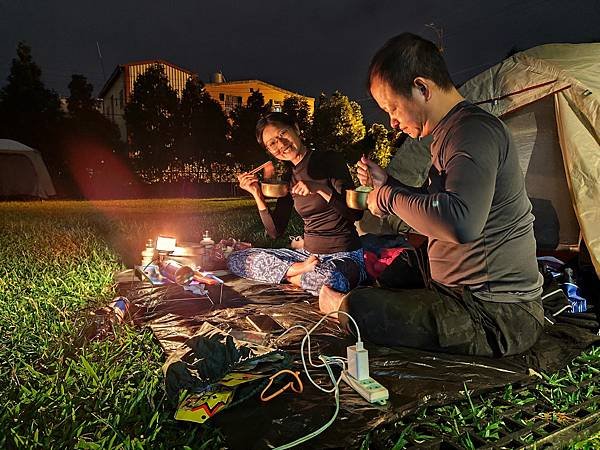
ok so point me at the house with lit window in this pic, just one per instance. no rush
(231, 94)
(118, 89)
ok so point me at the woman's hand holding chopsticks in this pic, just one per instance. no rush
(249, 182)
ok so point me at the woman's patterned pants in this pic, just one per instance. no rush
(341, 271)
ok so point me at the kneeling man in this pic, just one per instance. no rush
(484, 296)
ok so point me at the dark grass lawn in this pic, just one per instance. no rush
(57, 262)
(57, 390)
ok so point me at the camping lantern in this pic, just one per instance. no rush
(165, 244)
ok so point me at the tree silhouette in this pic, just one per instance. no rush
(381, 140)
(202, 127)
(337, 125)
(29, 112)
(297, 108)
(80, 98)
(150, 118)
(94, 155)
(85, 120)
(244, 147)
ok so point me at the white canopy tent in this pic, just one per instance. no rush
(23, 172)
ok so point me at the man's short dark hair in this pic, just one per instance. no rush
(406, 57)
(278, 118)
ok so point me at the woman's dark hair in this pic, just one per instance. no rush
(406, 57)
(272, 118)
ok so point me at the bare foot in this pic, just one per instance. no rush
(329, 299)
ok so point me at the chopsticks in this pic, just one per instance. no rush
(262, 166)
(369, 178)
(369, 182)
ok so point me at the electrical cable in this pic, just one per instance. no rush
(307, 338)
(328, 361)
(324, 427)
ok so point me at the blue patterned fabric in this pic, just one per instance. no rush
(341, 271)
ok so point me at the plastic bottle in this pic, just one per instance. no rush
(578, 303)
(148, 253)
(120, 307)
(207, 240)
(208, 248)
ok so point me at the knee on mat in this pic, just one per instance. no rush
(337, 281)
(357, 304)
(343, 273)
(357, 300)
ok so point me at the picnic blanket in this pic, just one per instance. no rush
(414, 378)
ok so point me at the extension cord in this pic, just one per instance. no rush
(361, 362)
(370, 389)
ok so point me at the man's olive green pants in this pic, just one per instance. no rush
(438, 318)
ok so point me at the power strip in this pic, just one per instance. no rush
(371, 390)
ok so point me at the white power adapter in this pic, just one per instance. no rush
(358, 361)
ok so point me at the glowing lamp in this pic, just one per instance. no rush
(165, 244)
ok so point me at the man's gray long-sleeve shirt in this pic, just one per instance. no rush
(475, 210)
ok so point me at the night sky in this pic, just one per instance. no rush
(305, 46)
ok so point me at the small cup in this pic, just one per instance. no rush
(357, 198)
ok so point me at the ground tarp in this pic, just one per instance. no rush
(414, 378)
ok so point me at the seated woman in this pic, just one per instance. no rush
(332, 254)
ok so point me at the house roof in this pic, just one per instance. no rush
(121, 67)
(269, 85)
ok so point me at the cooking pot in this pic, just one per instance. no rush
(274, 189)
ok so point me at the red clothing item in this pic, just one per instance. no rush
(377, 264)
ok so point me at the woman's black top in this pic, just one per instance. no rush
(328, 226)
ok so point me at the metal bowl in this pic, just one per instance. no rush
(189, 254)
(357, 198)
(275, 189)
